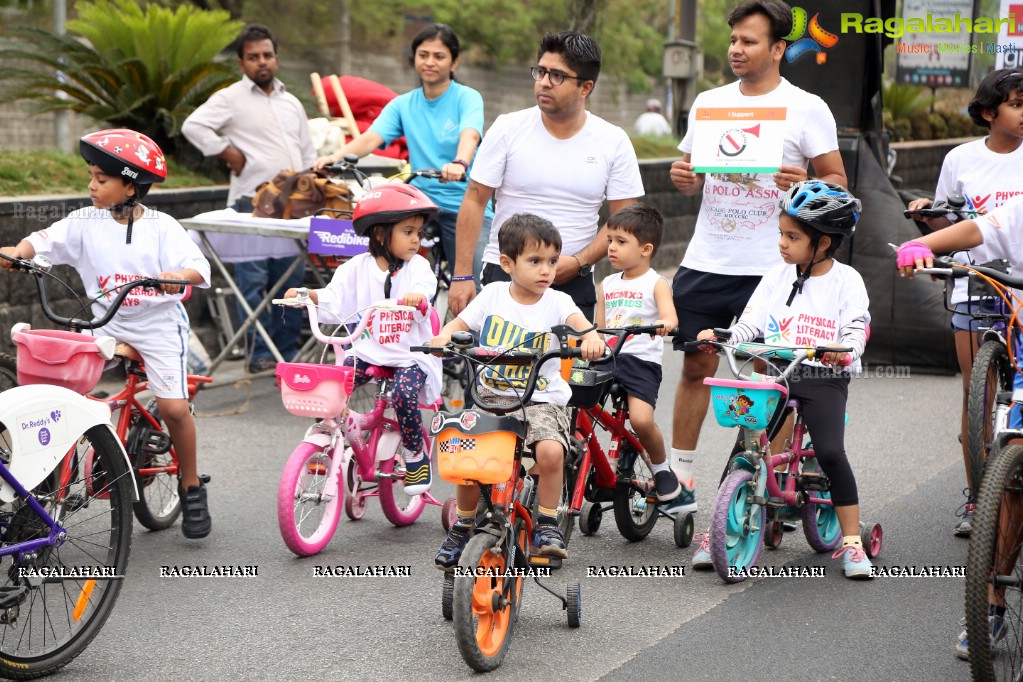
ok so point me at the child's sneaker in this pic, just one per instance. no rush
(451, 549)
(965, 514)
(417, 475)
(855, 563)
(667, 486)
(549, 541)
(998, 632)
(701, 560)
(195, 515)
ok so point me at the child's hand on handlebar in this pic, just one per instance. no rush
(324, 161)
(838, 359)
(441, 340)
(592, 347)
(11, 251)
(667, 326)
(413, 301)
(913, 255)
(707, 335)
(171, 288)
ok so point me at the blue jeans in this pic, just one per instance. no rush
(446, 220)
(254, 278)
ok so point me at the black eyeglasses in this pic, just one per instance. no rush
(556, 77)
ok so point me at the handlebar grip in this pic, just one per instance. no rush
(427, 349)
(181, 282)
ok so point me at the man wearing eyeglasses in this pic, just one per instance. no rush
(555, 160)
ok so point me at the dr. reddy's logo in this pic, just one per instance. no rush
(817, 42)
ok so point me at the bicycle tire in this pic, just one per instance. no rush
(992, 372)
(8, 372)
(999, 508)
(732, 543)
(305, 476)
(159, 504)
(632, 525)
(398, 507)
(85, 605)
(482, 632)
(820, 524)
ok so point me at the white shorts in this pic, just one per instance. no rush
(162, 341)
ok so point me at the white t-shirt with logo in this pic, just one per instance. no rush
(91, 241)
(505, 324)
(1002, 230)
(358, 283)
(987, 180)
(832, 309)
(564, 181)
(737, 228)
(630, 302)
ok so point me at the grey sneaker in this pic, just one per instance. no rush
(965, 525)
(998, 632)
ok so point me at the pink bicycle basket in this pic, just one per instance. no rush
(58, 358)
(311, 390)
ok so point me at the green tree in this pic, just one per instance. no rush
(144, 69)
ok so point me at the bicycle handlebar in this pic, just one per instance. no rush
(954, 204)
(762, 350)
(41, 266)
(948, 268)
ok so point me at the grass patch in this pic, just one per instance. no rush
(43, 172)
(660, 147)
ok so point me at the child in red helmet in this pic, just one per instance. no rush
(392, 217)
(117, 240)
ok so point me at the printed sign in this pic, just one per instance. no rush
(738, 140)
(334, 237)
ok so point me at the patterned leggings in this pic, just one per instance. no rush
(405, 398)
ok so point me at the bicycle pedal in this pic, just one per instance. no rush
(814, 481)
(542, 560)
(11, 596)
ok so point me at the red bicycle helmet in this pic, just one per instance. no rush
(125, 154)
(389, 204)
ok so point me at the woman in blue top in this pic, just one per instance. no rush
(442, 122)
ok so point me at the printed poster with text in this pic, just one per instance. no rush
(1010, 38)
(738, 140)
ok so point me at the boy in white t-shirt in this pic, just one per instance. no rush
(987, 173)
(514, 314)
(118, 240)
(639, 296)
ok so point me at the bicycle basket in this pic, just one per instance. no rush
(977, 287)
(589, 386)
(58, 358)
(311, 390)
(474, 447)
(744, 403)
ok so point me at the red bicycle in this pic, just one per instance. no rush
(619, 477)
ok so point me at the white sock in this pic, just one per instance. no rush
(663, 466)
(682, 465)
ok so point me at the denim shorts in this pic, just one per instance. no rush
(962, 320)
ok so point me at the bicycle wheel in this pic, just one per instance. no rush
(736, 528)
(484, 618)
(994, 574)
(820, 524)
(992, 372)
(307, 520)
(51, 623)
(159, 504)
(634, 516)
(8, 372)
(400, 508)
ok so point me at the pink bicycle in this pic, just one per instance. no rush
(365, 448)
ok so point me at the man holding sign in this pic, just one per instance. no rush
(746, 144)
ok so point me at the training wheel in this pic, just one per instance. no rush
(447, 596)
(575, 605)
(589, 517)
(871, 536)
(775, 533)
(683, 527)
(448, 516)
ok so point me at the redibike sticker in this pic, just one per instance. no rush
(41, 428)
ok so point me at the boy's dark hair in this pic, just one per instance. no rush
(992, 91)
(253, 33)
(441, 32)
(580, 52)
(641, 220)
(777, 12)
(815, 237)
(523, 229)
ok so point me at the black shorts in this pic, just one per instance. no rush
(581, 289)
(638, 378)
(704, 300)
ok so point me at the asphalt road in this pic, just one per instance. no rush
(288, 624)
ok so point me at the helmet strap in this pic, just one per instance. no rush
(803, 275)
(393, 265)
(129, 205)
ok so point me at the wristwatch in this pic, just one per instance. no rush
(584, 268)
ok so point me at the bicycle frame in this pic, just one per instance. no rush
(594, 456)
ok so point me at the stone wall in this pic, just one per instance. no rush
(18, 217)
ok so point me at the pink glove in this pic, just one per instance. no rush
(910, 252)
